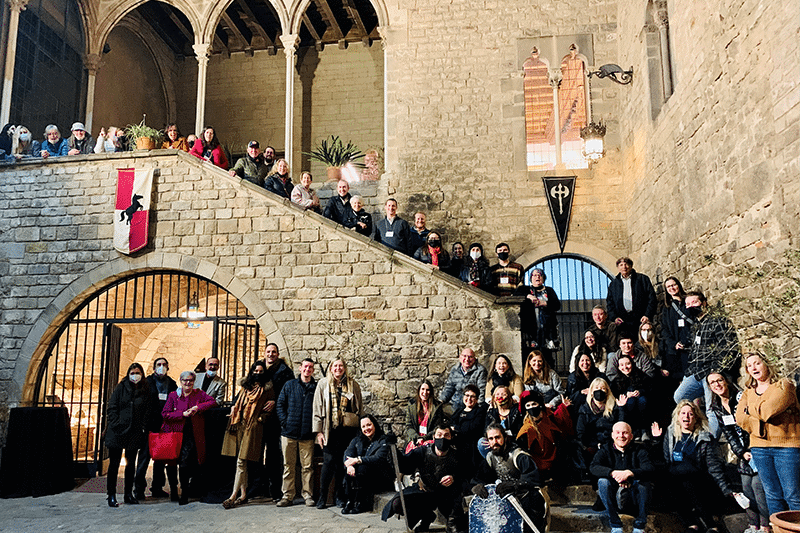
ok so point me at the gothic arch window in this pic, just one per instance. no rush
(659, 55)
(556, 108)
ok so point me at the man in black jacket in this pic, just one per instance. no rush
(337, 206)
(295, 411)
(278, 374)
(631, 300)
(622, 468)
(160, 386)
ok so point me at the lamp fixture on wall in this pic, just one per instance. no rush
(194, 312)
(592, 135)
(611, 71)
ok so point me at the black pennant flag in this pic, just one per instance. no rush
(559, 193)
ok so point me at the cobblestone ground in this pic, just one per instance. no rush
(87, 512)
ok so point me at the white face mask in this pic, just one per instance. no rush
(475, 255)
(646, 336)
(211, 373)
(161, 370)
(135, 378)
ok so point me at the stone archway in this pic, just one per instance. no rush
(63, 306)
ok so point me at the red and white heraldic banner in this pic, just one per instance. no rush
(132, 209)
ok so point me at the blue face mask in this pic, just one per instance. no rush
(25, 137)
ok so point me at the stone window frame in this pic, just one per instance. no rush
(555, 80)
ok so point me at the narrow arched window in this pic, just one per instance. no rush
(659, 55)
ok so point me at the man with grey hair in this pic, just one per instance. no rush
(468, 370)
(357, 217)
(53, 144)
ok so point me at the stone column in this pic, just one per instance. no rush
(15, 7)
(662, 21)
(202, 51)
(92, 63)
(554, 77)
(290, 43)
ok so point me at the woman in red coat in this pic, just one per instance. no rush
(207, 147)
(183, 412)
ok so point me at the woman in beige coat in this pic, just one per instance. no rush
(244, 436)
(337, 410)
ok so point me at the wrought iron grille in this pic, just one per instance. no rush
(93, 349)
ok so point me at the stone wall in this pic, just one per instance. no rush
(315, 288)
(715, 175)
(456, 125)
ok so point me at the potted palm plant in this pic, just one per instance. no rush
(333, 152)
(145, 137)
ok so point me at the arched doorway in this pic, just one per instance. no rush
(163, 313)
(580, 284)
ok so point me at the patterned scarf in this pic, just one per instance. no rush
(339, 402)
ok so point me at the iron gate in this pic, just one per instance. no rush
(93, 349)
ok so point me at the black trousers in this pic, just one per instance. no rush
(333, 462)
(114, 458)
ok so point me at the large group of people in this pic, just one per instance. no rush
(624, 434)
(656, 390)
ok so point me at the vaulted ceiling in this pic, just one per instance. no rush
(249, 25)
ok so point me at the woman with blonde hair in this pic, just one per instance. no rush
(503, 374)
(697, 473)
(540, 377)
(597, 416)
(336, 413)
(769, 411)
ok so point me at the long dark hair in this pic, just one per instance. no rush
(378, 429)
(142, 382)
(214, 141)
(255, 379)
(681, 292)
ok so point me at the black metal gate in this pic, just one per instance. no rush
(580, 285)
(95, 346)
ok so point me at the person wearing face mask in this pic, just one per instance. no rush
(476, 268)
(715, 347)
(210, 382)
(433, 253)
(441, 478)
(506, 275)
(244, 433)
(159, 385)
(517, 472)
(367, 465)
(537, 316)
(127, 415)
(543, 430)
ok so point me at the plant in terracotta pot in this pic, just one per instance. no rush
(333, 152)
(145, 137)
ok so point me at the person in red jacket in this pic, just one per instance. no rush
(183, 412)
(542, 429)
(207, 147)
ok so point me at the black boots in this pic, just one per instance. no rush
(129, 499)
(112, 500)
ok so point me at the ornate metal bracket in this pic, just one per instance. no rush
(611, 71)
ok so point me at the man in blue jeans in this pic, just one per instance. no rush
(623, 468)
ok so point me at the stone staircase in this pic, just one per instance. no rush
(571, 512)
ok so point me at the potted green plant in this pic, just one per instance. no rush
(145, 137)
(333, 152)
